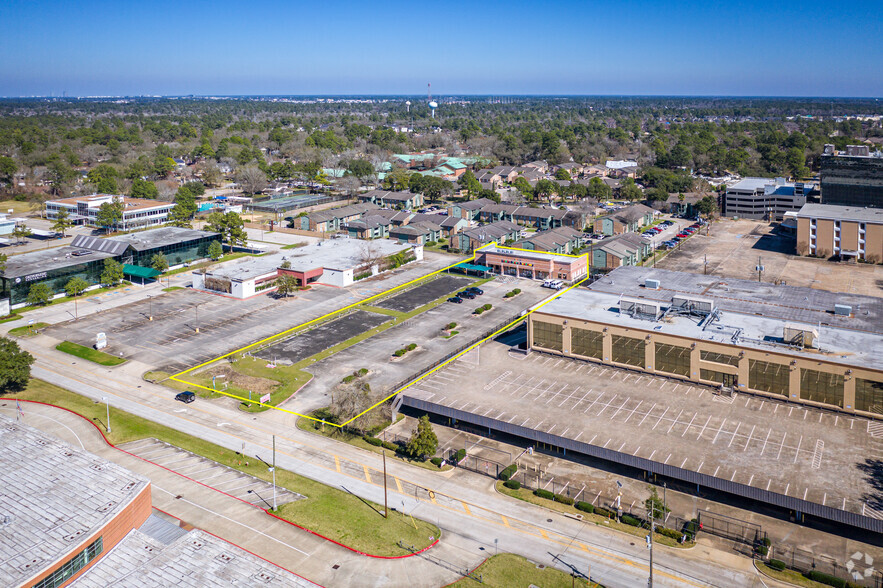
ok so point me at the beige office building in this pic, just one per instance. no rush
(828, 230)
(797, 344)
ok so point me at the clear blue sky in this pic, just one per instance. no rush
(770, 47)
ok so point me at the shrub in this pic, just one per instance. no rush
(362, 372)
(544, 494)
(763, 550)
(436, 461)
(478, 311)
(766, 541)
(487, 307)
(458, 457)
(585, 507)
(776, 564)
(513, 484)
(508, 295)
(451, 326)
(373, 440)
(630, 520)
(388, 445)
(516, 291)
(673, 533)
(399, 352)
(826, 579)
(508, 472)
(348, 379)
(562, 499)
(603, 512)
(411, 347)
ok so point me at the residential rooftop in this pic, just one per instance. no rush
(750, 314)
(54, 497)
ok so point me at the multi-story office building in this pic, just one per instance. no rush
(138, 213)
(853, 177)
(764, 198)
(841, 231)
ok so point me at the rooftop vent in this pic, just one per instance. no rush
(800, 335)
(700, 306)
(651, 284)
(639, 308)
(842, 310)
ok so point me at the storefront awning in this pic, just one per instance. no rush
(139, 272)
(473, 267)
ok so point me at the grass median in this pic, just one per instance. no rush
(28, 330)
(507, 570)
(333, 513)
(90, 354)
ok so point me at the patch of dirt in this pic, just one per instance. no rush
(258, 386)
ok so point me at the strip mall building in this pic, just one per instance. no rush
(536, 265)
(798, 344)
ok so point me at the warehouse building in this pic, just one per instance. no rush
(335, 262)
(798, 344)
(85, 257)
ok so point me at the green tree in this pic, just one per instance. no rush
(562, 174)
(654, 505)
(2, 262)
(286, 285)
(163, 166)
(629, 190)
(215, 251)
(360, 168)
(185, 207)
(423, 442)
(159, 262)
(143, 189)
(230, 227)
(62, 221)
(75, 286)
(20, 232)
(104, 179)
(59, 174)
(7, 169)
(109, 214)
(523, 186)
(15, 366)
(707, 205)
(112, 274)
(39, 294)
(470, 183)
(599, 190)
(545, 189)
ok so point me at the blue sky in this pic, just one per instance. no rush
(753, 48)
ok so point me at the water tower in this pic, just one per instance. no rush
(432, 103)
(408, 105)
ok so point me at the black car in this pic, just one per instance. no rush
(456, 300)
(185, 397)
(475, 290)
(466, 294)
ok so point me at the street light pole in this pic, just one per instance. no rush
(107, 405)
(273, 469)
(150, 312)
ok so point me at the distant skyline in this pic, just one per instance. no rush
(753, 48)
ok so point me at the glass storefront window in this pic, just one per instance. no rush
(869, 395)
(587, 343)
(72, 566)
(548, 336)
(821, 387)
(628, 350)
(719, 358)
(769, 377)
(672, 359)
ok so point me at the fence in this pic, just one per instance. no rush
(729, 528)
(857, 570)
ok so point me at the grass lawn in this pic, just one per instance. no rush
(356, 440)
(90, 354)
(507, 570)
(28, 330)
(172, 288)
(16, 206)
(333, 513)
(10, 317)
(293, 246)
(528, 496)
(789, 576)
(86, 294)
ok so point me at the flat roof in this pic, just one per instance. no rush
(52, 491)
(849, 213)
(544, 255)
(195, 559)
(751, 314)
(34, 262)
(162, 237)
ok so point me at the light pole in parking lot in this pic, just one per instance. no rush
(150, 312)
(196, 306)
(107, 405)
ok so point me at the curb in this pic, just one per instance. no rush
(354, 550)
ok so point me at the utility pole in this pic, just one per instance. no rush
(650, 541)
(273, 469)
(385, 495)
(107, 405)
(759, 269)
(705, 266)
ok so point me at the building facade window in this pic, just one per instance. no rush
(869, 395)
(719, 358)
(768, 377)
(587, 343)
(821, 387)
(72, 566)
(717, 377)
(628, 350)
(548, 336)
(673, 359)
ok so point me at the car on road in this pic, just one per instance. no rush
(455, 300)
(185, 397)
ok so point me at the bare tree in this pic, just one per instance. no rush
(251, 179)
(349, 185)
(370, 254)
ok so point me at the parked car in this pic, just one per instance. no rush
(475, 290)
(466, 294)
(185, 397)
(455, 300)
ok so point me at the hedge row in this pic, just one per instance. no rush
(436, 461)
(829, 579)
(585, 507)
(630, 520)
(508, 472)
(776, 564)
(562, 499)
(380, 443)
(544, 494)
(513, 484)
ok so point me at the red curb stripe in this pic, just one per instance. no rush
(472, 571)
(243, 549)
(354, 550)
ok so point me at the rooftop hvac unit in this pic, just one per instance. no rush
(639, 308)
(801, 335)
(651, 284)
(829, 149)
(701, 306)
(842, 310)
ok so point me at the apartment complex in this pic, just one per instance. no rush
(138, 213)
(764, 198)
(798, 344)
(853, 177)
(843, 231)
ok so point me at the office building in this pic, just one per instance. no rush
(846, 232)
(138, 213)
(853, 177)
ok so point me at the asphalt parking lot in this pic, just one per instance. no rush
(311, 342)
(424, 293)
(789, 449)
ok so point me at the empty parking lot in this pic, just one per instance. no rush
(795, 451)
(313, 341)
(424, 293)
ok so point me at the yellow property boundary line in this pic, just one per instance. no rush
(178, 377)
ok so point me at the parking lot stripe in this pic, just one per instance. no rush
(797, 453)
(624, 402)
(765, 441)
(659, 420)
(781, 445)
(593, 439)
(703, 428)
(739, 424)
(633, 411)
(721, 428)
(688, 426)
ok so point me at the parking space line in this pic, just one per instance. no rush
(721, 428)
(688, 426)
(781, 445)
(765, 441)
(659, 420)
(633, 411)
(797, 453)
(647, 414)
(747, 443)
(739, 424)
